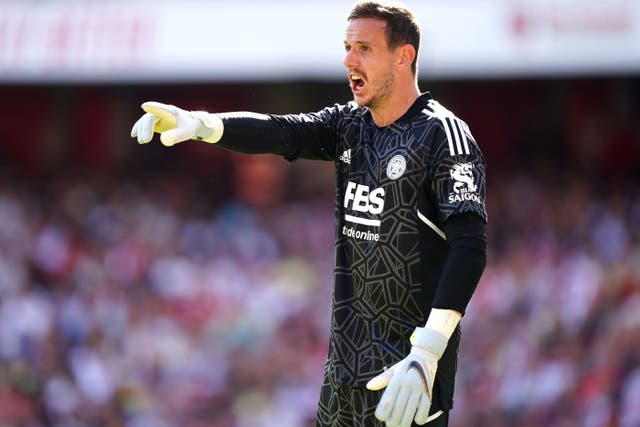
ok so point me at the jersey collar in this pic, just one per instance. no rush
(416, 108)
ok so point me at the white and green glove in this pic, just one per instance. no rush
(176, 125)
(409, 382)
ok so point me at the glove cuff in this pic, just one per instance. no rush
(430, 340)
(211, 129)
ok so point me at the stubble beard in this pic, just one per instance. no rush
(382, 95)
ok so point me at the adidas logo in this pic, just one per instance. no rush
(346, 157)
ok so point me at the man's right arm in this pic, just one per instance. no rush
(310, 136)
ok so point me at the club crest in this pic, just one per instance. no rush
(396, 167)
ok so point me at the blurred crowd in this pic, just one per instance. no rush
(122, 307)
(197, 293)
(127, 303)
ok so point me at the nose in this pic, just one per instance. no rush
(349, 59)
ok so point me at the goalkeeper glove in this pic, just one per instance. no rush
(176, 125)
(409, 382)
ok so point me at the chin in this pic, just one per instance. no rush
(361, 101)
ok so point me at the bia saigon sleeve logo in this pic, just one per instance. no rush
(464, 186)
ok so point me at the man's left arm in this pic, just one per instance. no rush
(467, 257)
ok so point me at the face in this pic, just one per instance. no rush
(369, 62)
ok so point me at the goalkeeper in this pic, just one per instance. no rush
(410, 212)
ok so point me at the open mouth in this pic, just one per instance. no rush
(357, 82)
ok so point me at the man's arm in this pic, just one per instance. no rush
(311, 136)
(467, 257)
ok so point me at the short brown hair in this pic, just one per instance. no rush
(402, 27)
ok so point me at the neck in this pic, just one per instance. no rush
(396, 105)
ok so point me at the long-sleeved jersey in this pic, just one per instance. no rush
(397, 188)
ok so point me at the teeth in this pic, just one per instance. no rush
(355, 77)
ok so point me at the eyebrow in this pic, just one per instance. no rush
(357, 42)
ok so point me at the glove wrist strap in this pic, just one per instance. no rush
(430, 340)
(211, 129)
(443, 321)
(436, 333)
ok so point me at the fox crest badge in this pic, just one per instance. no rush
(396, 167)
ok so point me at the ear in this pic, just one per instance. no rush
(406, 55)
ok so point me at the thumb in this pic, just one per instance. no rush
(381, 381)
(175, 135)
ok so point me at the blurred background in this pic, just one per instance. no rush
(145, 286)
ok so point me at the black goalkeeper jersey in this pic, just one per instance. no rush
(395, 188)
